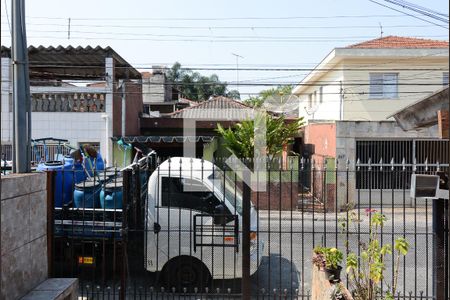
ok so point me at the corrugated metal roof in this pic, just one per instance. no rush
(217, 108)
(400, 42)
(74, 62)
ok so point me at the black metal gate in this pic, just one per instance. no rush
(170, 237)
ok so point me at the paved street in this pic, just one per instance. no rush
(289, 240)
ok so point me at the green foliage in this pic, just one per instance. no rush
(367, 271)
(258, 101)
(240, 139)
(402, 246)
(195, 86)
(333, 257)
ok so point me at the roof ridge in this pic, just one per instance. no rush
(393, 41)
(206, 102)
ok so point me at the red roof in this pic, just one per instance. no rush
(400, 42)
(213, 108)
(146, 75)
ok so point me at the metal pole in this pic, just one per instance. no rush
(21, 90)
(124, 109)
(439, 260)
(246, 283)
(237, 69)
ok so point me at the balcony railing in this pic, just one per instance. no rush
(68, 102)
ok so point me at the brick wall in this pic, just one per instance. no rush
(273, 200)
(134, 107)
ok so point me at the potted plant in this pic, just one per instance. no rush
(333, 258)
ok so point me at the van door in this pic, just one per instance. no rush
(191, 226)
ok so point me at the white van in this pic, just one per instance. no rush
(184, 241)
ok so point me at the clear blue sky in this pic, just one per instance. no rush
(205, 33)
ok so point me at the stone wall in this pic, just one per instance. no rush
(23, 233)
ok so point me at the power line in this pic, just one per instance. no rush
(411, 15)
(102, 25)
(419, 9)
(207, 41)
(245, 69)
(7, 17)
(224, 18)
(220, 36)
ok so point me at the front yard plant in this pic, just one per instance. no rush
(367, 272)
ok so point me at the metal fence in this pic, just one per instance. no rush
(178, 229)
(40, 152)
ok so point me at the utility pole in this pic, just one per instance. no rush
(21, 91)
(237, 69)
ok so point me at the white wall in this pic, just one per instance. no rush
(420, 73)
(413, 85)
(73, 126)
(76, 127)
(329, 109)
(6, 123)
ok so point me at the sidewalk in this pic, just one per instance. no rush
(409, 212)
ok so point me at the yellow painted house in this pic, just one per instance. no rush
(371, 80)
(347, 101)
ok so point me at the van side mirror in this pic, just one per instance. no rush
(219, 217)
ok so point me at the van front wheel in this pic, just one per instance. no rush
(186, 274)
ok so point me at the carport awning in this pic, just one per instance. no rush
(166, 139)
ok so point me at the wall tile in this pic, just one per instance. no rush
(38, 261)
(16, 273)
(15, 223)
(38, 214)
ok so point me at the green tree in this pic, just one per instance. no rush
(240, 139)
(196, 86)
(259, 100)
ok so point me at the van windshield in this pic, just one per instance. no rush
(228, 187)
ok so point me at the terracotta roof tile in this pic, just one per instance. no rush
(400, 42)
(215, 109)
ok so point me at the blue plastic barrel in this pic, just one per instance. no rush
(111, 195)
(108, 174)
(94, 163)
(76, 167)
(87, 194)
(63, 181)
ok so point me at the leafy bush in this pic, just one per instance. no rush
(366, 272)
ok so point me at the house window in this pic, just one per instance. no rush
(383, 86)
(315, 97)
(310, 100)
(321, 94)
(445, 78)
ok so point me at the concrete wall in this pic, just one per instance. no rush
(347, 133)
(323, 137)
(23, 233)
(156, 89)
(413, 84)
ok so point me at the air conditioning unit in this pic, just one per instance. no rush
(427, 186)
